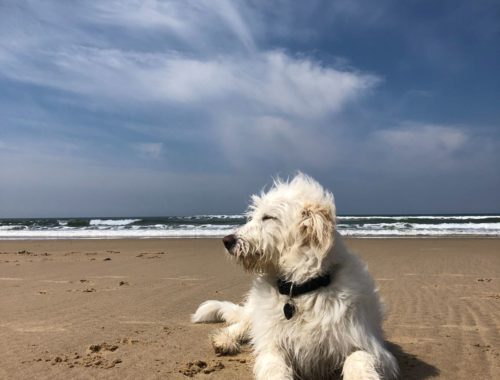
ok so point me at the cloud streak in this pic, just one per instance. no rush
(270, 81)
(416, 141)
(149, 150)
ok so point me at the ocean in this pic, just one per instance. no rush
(220, 225)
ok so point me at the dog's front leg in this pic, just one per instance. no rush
(227, 341)
(270, 364)
(360, 365)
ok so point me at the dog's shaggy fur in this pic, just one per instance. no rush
(290, 234)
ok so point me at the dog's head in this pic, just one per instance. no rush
(289, 227)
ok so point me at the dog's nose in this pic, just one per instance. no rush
(229, 241)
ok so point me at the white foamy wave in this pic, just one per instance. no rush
(112, 234)
(112, 222)
(413, 229)
(459, 226)
(430, 217)
(409, 233)
(7, 228)
(220, 216)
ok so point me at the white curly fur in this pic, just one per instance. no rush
(291, 235)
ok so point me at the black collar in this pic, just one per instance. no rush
(306, 287)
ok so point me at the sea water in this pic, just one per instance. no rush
(220, 225)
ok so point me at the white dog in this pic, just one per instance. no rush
(313, 307)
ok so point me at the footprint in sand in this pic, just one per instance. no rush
(192, 368)
(95, 348)
(24, 252)
(95, 356)
(128, 340)
(150, 255)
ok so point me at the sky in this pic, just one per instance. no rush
(153, 108)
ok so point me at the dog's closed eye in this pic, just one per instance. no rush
(268, 217)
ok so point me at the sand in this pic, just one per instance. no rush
(119, 309)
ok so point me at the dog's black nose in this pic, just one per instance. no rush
(229, 241)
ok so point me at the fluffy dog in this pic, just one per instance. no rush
(313, 307)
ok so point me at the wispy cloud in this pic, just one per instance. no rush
(270, 81)
(190, 21)
(149, 150)
(417, 140)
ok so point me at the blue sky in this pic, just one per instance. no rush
(114, 108)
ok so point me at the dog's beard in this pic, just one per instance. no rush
(251, 258)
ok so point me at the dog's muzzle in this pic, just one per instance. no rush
(229, 242)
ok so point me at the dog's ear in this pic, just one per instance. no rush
(317, 225)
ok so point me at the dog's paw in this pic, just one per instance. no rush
(224, 344)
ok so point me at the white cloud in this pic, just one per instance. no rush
(273, 142)
(190, 21)
(418, 139)
(270, 81)
(420, 148)
(149, 14)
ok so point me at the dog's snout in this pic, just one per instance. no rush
(229, 241)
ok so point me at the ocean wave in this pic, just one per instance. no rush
(460, 226)
(419, 233)
(110, 234)
(191, 220)
(217, 225)
(112, 222)
(221, 216)
(418, 219)
(399, 217)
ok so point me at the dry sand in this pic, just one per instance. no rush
(119, 309)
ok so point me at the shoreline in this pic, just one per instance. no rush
(390, 237)
(119, 308)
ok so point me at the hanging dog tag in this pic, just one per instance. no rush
(289, 310)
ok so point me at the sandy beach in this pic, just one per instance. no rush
(119, 309)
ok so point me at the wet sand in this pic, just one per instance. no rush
(119, 309)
